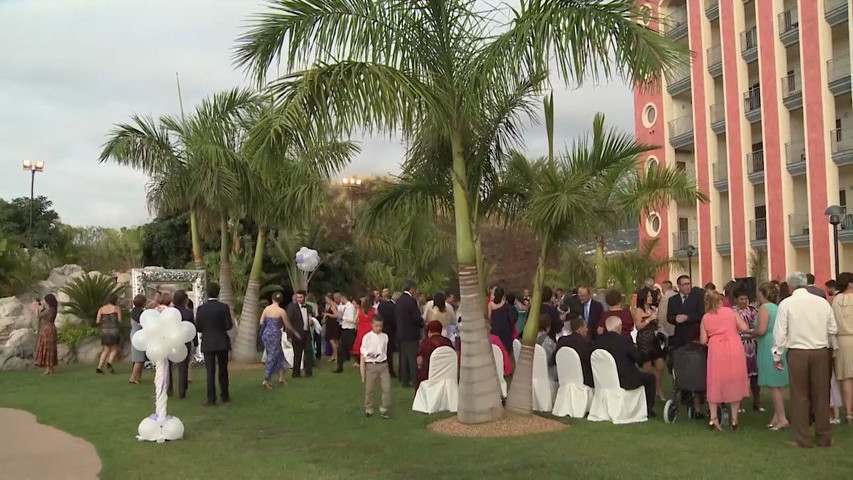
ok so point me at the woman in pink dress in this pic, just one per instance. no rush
(726, 380)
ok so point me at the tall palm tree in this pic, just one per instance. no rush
(426, 64)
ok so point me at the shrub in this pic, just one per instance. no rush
(72, 334)
(87, 294)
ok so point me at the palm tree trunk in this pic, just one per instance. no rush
(479, 390)
(226, 294)
(198, 261)
(247, 330)
(520, 397)
(481, 263)
(600, 281)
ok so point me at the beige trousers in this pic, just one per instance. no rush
(377, 373)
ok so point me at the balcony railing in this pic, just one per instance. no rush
(835, 11)
(795, 157)
(683, 238)
(712, 9)
(718, 117)
(758, 230)
(721, 176)
(752, 104)
(676, 23)
(678, 81)
(715, 60)
(681, 131)
(798, 229)
(791, 84)
(841, 140)
(749, 44)
(838, 73)
(755, 162)
(721, 232)
(789, 26)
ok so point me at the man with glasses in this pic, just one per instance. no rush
(685, 310)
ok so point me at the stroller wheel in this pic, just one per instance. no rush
(670, 411)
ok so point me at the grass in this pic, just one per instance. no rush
(314, 428)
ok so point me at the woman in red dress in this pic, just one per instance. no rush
(366, 311)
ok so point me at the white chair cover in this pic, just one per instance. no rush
(543, 386)
(287, 347)
(516, 350)
(610, 402)
(573, 397)
(440, 392)
(499, 364)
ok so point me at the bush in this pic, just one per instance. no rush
(71, 334)
(87, 294)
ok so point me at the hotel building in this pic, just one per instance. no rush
(763, 119)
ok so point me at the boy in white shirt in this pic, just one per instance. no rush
(374, 368)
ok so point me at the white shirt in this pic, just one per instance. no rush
(348, 319)
(305, 322)
(804, 322)
(374, 347)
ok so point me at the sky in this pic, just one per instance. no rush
(71, 69)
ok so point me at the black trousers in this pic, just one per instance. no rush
(318, 345)
(408, 372)
(183, 370)
(347, 341)
(211, 359)
(392, 349)
(299, 351)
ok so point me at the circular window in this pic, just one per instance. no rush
(652, 162)
(650, 114)
(646, 14)
(653, 224)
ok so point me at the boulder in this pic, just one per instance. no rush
(57, 279)
(22, 342)
(95, 274)
(62, 297)
(14, 315)
(44, 287)
(66, 354)
(123, 279)
(14, 364)
(88, 350)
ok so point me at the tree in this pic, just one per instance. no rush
(47, 228)
(430, 65)
(166, 242)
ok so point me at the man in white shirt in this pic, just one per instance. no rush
(374, 367)
(805, 329)
(348, 325)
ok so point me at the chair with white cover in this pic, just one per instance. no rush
(499, 364)
(573, 397)
(543, 386)
(516, 350)
(611, 402)
(439, 392)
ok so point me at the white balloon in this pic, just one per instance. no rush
(178, 354)
(187, 332)
(139, 340)
(149, 430)
(148, 316)
(175, 336)
(157, 351)
(171, 314)
(173, 429)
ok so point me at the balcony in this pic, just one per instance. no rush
(795, 157)
(838, 73)
(678, 81)
(835, 12)
(792, 91)
(755, 166)
(683, 238)
(789, 27)
(798, 229)
(723, 239)
(676, 23)
(681, 133)
(752, 104)
(712, 9)
(749, 45)
(715, 61)
(718, 118)
(842, 146)
(845, 230)
(758, 232)
(721, 176)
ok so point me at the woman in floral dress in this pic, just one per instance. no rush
(749, 315)
(46, 355)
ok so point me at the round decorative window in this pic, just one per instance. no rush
(646, 14)
(650, 114)
(653, 224)
(652, 162)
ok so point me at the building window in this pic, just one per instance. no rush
(646, 14)
(652, 162)
(653, 224)
(650, 114)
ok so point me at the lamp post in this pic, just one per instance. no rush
(33, 168)
(351, 183)
(691, 250)
(833, 214)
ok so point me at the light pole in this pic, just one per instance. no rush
(33, 168)
(833, 214)
(691, 250)
(351, 183)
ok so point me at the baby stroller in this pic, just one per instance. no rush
(689, 369)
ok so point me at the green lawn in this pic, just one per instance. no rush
(314, 429)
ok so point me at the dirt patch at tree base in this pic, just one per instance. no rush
(508, 426)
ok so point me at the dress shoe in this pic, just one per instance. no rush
(209, 404)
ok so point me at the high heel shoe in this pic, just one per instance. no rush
(110, 368)
(98, 370)
(714, 425)
(734, 427)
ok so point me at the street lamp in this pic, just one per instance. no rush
(833, 214)
(691, 250)
(351, 183)
(33, 168)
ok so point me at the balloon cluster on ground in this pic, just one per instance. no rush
(307, 260)
(163, 335)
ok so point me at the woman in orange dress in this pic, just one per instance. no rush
(366, 311)
(46, 355)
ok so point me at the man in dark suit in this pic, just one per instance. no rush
(410, 324)
(180, 301)
(627, 358)
(591, 311)
(389, 324)
(213, 321)
(549, 309)
(814, 289)
(299, 315)
(685, 311)
(577, 341)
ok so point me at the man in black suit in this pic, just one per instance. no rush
(591, 311)
(213, 321)
(389, 324)
(410, 324)
(577, 341)
(299, 315)
(685, 311)
(627, 358)
(180, 301)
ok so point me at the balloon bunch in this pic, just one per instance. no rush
(163, 337)
(307, 261)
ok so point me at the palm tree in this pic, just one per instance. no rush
(431, 65)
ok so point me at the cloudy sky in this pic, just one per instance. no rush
(70, 69)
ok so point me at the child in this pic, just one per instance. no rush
(374, 367)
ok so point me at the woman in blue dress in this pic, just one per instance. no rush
(273, 319)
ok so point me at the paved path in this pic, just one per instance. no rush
(30, 450)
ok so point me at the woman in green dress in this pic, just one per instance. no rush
(768, 375)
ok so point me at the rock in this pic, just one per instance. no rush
(14, 364)
(88, 350)
(95, 274)
(123, 279)
(44, 287)
(22, 342)
(67, 319)
(14, 315)
(57, 279)
(65, 354)
(62, 297)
